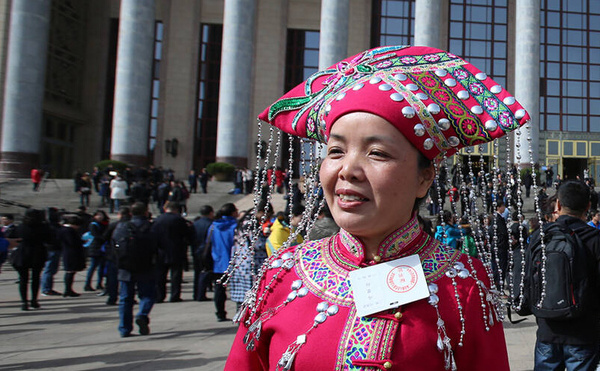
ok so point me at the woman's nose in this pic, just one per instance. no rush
(351, 168)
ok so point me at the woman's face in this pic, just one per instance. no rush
(370, 176)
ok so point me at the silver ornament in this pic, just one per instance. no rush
(419, 130)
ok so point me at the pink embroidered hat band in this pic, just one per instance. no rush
(439, 102)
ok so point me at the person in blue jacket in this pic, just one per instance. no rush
(221, 237)
(447, 233)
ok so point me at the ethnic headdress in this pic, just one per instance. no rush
(438, 101)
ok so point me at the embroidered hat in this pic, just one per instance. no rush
(438, 101)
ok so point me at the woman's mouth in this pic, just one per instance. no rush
(351, 198)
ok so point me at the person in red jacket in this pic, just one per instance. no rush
(381, 294)
(36, 179)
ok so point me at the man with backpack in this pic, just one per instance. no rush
(135, 245)
(563, 285)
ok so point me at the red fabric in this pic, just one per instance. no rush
(414, 344)
(36, 176)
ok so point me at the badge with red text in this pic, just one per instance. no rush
(388, 285)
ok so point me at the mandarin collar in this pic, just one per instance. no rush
(406, 240)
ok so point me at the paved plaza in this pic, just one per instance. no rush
(81, 333)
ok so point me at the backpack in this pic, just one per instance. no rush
(132, 253)
(569, 276)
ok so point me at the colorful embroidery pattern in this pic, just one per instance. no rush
(469, 129)
(488, 100)
(364, 338)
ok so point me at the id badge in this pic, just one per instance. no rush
(388, 285)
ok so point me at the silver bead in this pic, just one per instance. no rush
(477, 110)
(496, 89)
(286, 256)
(433, 288)
(509, 100)
(451, 272)
(400, 76)
(450, 82)
(291, 296)
(302, 292)
(458, 265)
(421, 96)
(433, 108)
(340, 96)
(375, 80)
(428, 144)
(433, 299)
(412, 87)
(419, 130)
(385, 87)
(520, 114)
(463, 273)
(358, 86)
(333, 310)
(444, 124)
(322, 306)
(296, 284)
(320, 318)
(396, 97)
(408, 112)
(453, 141)
(481, 76)
(463, 94)
(327, 109)
(276, 263)
(491, 125)
(441, 73)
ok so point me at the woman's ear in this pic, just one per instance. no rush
(426, 177)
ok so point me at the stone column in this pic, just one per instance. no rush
(527, 75)
(131, 115)
(235, 94)
(333, 38)
(24, 87)
(427, 23)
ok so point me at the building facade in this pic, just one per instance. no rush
(179, 84)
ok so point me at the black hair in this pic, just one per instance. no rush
(206, 210)
(297, 210)
(9, 216)
(422, 163)
(139, 209)
(574, 195)
(445, 216)
(174, 206)
(228, 209)
(124, 211)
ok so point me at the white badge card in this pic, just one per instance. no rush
(388, 285)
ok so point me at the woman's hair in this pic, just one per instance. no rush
(33, 217)
(445, 217)
(422, 163)
(102, 213)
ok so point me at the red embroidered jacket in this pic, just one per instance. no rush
(304, 316)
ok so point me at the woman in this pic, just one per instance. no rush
(96, 250)
(388, 116)
(118, 193)
(84, 187)
(30, 255)
(72, 251)
(447, 231)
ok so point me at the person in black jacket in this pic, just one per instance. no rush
(110, 258)
(498, 232)
(96, 250)
(573, 343)
(30, 255)
(202, 268)
(73, 252)
(174, 236)
(139, 277)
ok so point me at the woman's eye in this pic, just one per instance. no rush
(379, 154)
